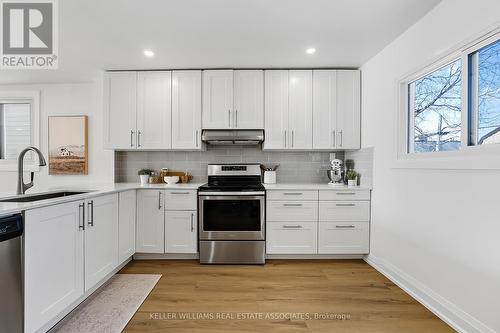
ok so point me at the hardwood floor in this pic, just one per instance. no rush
(367, 300)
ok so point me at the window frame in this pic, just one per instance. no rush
(469, 156)
(471, 94)
(33, 98)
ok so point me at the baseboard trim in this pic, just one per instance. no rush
(451, 314)
(164, 256)
(313, 256)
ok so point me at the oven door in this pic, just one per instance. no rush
(232, 217)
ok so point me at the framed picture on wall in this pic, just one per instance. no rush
(68, 145)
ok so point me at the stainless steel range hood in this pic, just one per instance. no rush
(233, 137)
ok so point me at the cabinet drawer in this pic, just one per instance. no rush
(341, 211)
(180, 200)
(344, 195)
(286, 211)
(292, 195)
(344, 238)
(291, 237)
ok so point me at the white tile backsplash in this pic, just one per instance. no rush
(297, 167)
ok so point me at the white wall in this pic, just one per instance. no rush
(435, 230)
(67, 99)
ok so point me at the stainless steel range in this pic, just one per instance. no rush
(232, 209)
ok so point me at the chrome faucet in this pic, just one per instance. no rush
(21, 186)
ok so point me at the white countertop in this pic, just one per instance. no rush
(309, 186)
(7, 208)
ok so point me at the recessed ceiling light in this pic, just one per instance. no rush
(149, 53)
(311, 50)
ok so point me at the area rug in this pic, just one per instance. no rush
(111, 308)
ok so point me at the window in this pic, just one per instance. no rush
(19, 127)
(484, 95)
(15, 128)
(453, 104)
(435, 110)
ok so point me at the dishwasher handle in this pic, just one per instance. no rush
(11, 227)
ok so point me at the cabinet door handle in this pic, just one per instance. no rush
(346, 193)
(229, 118)
(236, 118)
(90, 207)
(345, 205)
(192, 221)
(131, 138)
(341, 138)
(81, 216)
(284, 142)
(292, 227)
(333, 137)
(293, 137)
(159, 200)
(292, 205)
(139, 138)
(179, 192)
(293, 193)
(196, 138)
(344, 226)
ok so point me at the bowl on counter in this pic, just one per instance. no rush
(171, 179)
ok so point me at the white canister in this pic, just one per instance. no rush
(269, 177)
(352, 182)
(144, 179)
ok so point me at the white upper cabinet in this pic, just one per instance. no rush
(154, 103)
(120, 110)
(324, 109)
(300, 109)
(248, 99)
(336, 109)
(186, 110)
(348, 109)
(276, 109)
(217, 99)
(233, 99)
(288, 109)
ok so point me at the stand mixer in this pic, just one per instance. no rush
(336, 173)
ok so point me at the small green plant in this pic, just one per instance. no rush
(145, 172)
(351, 175)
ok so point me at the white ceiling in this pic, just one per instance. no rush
(112, 34)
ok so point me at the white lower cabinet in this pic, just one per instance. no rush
(344, 238)
(101, 238)
(298, 223)
(284, 211)
(70, 248)
(127, 202)
(167, 221)
(150, 237)
(53, 261)
(181, 232)
(341, 211)
(181, 199)
(292, 238)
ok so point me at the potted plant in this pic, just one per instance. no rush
(352, 178)
(144, 175)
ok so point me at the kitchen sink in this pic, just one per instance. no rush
(42, 196)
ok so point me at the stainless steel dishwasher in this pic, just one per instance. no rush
(11, 286)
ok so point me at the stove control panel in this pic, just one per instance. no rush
(234, 168)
